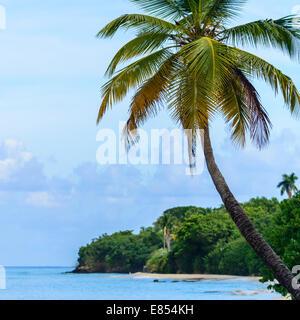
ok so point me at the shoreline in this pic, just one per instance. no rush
(196, 277)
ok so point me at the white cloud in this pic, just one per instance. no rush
(19, 170)
(13, 158)
(7, 167)
(41, 199)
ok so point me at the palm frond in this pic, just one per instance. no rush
(191, 102)
(241, 107)
(149, 98)
(280, 184)
(191, 105)
(145, 43)
(210, 60)
(260, 123)
(279, 33)
(130, 77)
(235, 110)
(220, 10)
(194, 8)
(256, 67)
(171, 9)
(291, 23)
(138, 22)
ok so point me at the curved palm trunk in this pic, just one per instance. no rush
(240, 218)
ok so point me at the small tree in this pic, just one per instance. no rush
(166, 222)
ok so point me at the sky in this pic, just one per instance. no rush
(54, 196)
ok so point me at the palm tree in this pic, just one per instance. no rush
(166, 223)
(288, 184)
(191, 62)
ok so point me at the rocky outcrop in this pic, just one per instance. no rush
(101, 267)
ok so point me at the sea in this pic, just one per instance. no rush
(55, 283)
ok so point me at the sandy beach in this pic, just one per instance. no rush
(195, 277)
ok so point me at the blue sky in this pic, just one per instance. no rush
(53, 195)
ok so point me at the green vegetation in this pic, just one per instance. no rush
(120, 252)
(284, 234)
(158, 261)
(204, 241)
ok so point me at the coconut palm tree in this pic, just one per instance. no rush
(167, 222)
(288, 184)
(189, 61)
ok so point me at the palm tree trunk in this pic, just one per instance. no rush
(290, 193)
(240, 218)
(168, 241)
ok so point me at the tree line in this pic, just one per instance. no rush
(200, 240)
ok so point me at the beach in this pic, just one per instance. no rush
(196, 277)
(199, 277)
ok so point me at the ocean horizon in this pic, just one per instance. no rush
(56, 283)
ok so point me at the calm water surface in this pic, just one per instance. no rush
(49, 283)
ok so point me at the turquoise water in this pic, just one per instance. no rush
(45, 283)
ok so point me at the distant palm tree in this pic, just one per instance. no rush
(288, 184)
(195, 68)
(166, 222)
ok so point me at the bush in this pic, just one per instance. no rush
(197, 236)
(235, 257)
(284, 237)
(158, 261)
